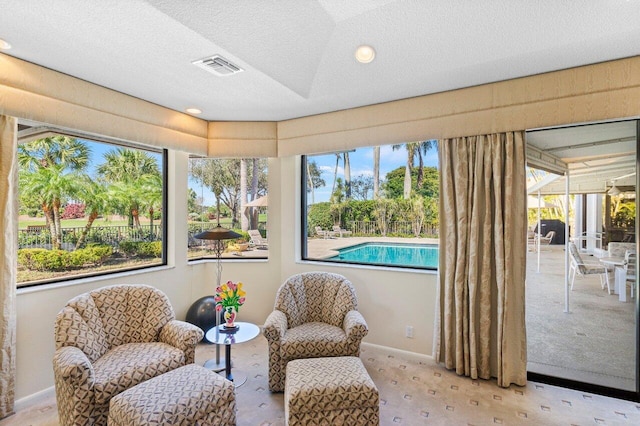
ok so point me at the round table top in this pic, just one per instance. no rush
(619, 261)
(245, 332)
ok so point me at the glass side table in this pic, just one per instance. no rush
(221, 336)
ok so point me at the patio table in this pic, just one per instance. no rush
(620, 274)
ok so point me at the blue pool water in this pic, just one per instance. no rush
(396, 254)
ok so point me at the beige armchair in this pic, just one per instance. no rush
(111, 339)
(315, 315)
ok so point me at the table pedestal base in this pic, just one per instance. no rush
(239, 378)
(215, 366)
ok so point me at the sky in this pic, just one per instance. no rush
(361, 161)
(98, 149)
(361, 164)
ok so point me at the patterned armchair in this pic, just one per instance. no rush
(315, 315)
(111, 339)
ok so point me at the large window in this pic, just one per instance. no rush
(233, 194)
(88, 207)
(376, 205)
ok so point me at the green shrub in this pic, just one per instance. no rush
(152, 249)
(128, 247)
(141, 248)
(319, 214)
(39, 259)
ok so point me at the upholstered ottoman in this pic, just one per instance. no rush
(330, 391)
(190, 395)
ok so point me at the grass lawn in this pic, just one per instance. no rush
(116, 221)
(78, 223)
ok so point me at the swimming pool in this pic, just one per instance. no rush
(395, 254)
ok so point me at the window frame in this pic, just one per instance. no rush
(304, 254)
(212, 256)
(34, 131)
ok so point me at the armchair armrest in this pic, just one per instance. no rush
(71, 365)
(183, 336)
(355, 327)
(275, 326)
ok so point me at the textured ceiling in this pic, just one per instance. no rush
(298, 55)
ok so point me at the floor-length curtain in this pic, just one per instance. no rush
(481, 312)
(8, 259)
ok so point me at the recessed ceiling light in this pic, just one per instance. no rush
(193, 111)
(4, 45)
(365, 54)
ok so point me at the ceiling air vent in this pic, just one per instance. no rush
(218, 65)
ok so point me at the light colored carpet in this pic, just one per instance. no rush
(413, 391)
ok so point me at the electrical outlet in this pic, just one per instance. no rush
(409, 332)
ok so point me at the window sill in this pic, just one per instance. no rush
(93, 279)
(371, 267)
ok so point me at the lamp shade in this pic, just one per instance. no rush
(217, 233)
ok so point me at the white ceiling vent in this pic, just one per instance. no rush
(218, 65)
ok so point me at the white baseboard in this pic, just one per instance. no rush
(401, 352)
(33, 399)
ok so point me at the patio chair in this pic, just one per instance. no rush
(324, 234)
(340, 231)
(578, 266)
(547, 239)
(630, 267)
(531, 240)
(256, 239)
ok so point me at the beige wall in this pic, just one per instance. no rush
(598, 92)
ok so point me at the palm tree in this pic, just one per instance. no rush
(314, 179)
(422, 149)
(376, 172)
(151, 197)
(50, 168)
(347, 175)
(124, 168)
(50, 185)
(335, 172)
(96, 199)
(411, 148)
(244, 218)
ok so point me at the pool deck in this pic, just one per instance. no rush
(322, 248)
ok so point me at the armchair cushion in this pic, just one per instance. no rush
(313, 340)
(130, 364)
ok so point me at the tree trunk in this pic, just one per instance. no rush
(151, 236)
(407, 181)
(335, 175)
(56, 238)
(244, 212)
(376, 172)
(255, 216)
(136, 217)
(48, 214)
(87, 228)
(311, 186)
(347, 176)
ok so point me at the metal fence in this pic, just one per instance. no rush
(40, 237)
(393, 228)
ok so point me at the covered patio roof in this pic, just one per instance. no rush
(595, 155)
